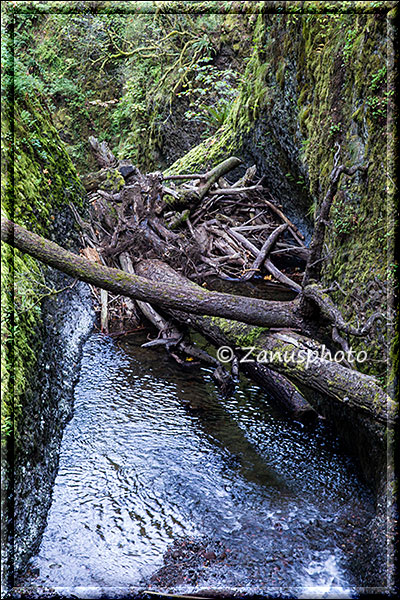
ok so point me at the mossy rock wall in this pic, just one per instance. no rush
(40, 182)
(316, 84)
(40, 332)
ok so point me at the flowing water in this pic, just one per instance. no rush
(154, 454)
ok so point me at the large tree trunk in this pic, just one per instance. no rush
(285, 352)
(174, 292)
(195, 300)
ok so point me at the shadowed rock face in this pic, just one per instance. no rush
(67, 320)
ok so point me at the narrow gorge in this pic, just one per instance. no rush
(199, 346)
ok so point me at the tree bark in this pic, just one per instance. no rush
(173, 292)
(286, 353)
(193, 300)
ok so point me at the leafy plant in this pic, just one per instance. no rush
(334, 129)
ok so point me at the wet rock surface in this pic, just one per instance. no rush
(67, 319)
(188, 560)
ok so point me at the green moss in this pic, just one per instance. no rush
(209, 153)
(114, 182)
(341, 99)
(39, 180)
(244, 335)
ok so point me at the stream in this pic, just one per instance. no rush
(154, 456)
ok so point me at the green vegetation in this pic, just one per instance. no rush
(118, 72)
(38, 180)
(341, 96)
(207, 76)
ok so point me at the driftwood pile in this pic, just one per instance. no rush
(201, 224)
(147, 233)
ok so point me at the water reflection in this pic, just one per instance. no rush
(153, 454)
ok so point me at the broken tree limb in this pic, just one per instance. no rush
(102, 153)
(299, 237)
(303, 361)
(315, 260)
(247, 177)
(235, 191)
(265, 249)
(279, 276)
(219, 171)
(104, 311)
(171, 336)
(207, 180)
(197, 301)
(331, 313)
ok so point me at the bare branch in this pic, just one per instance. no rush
(332, 314)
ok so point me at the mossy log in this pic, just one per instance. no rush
(285, 352)
(194, 300)
(171, 291)
(207, 180)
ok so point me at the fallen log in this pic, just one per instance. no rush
(207, 180)
(282, 391)
(301, 360)
(330, 378)
(196, 300)
(279, 276)
(266, 247)
(280, 388)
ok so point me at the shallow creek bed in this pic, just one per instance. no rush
(166, 487)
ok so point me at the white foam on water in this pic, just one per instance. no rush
(324, 579)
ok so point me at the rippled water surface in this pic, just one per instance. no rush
(153, 454)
